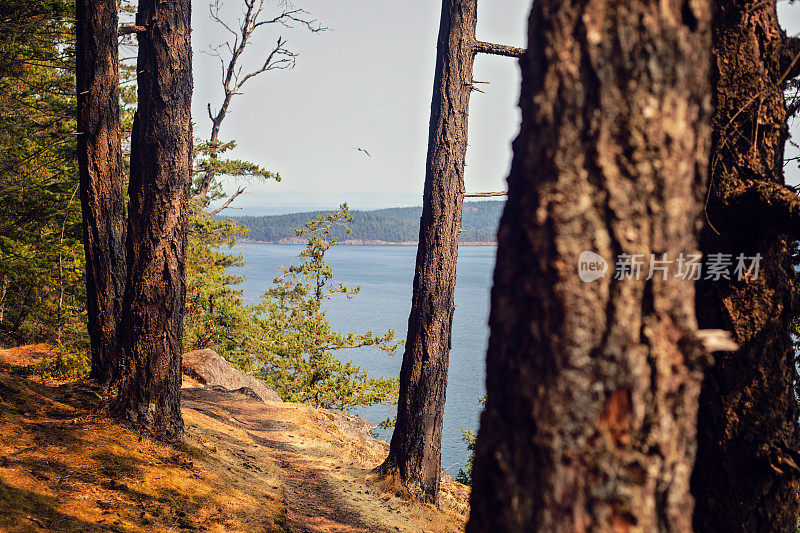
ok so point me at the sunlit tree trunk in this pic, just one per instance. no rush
(150, 373)
(415, 450)
(101, 179)
(592, 386)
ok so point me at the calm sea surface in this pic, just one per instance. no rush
(386, 274)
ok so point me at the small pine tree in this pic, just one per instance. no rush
(468, 437)
(286, 339)
(465, 474)
(298, 355)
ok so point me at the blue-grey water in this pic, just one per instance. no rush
(386, 274)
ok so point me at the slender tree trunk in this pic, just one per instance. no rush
(3, 290)
(150, 377)
(415, 450)
(592, 386)
(745, 478)
(101, 180)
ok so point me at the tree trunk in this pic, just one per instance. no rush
(415, 451)
(3, 290)
(101, 179)
(592, 387)
(745, 478)
(161, 151)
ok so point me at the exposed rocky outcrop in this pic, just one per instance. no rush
(207, 368)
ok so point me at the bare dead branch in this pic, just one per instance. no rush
(278, 59)
(214, 12)
(793, 107)
(127, 30)
(498, 49)
(790, 55)
(230, 56)
(484, 194)
(288, 17)
(227, 203)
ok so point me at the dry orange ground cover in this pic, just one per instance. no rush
(245, 465)
(63, 467)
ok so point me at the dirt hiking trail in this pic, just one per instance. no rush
(245, 465)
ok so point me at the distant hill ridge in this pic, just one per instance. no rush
(393, 225)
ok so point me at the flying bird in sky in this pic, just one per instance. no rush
(361, 150)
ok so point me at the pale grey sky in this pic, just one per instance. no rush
(365, 83)
(789, 16)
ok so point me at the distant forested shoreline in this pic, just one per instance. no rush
(398, 225)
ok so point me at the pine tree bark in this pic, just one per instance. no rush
(101, 179)
(592, 387)
(746, 476)
(415, 449)
(150, 375)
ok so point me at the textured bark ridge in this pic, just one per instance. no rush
(102, 184)
(746, 473)
(592, 387)
(150, 374)
(415, 451)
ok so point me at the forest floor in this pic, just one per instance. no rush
(245, 465)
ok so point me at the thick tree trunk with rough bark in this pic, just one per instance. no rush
(745, 478)
(150, 374)
(415, 450)
(101, 179)
(592, 387)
